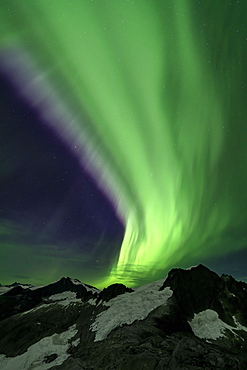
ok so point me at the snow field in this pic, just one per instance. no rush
(128, 307)
(208, 325)
(34, 357)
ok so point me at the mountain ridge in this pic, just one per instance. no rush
(191, 319)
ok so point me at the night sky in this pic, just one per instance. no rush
(123, 139)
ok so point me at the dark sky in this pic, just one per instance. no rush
(47, 198)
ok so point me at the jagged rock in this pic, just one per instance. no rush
(19, 299)
(193, 319)
(199, 288)
(195, 290)
(113, 291)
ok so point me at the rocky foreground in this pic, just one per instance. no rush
(193, 319)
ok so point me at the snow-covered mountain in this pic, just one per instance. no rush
(193, 319)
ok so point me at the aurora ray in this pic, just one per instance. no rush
(134, 83)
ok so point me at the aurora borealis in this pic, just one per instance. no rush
(149, 98)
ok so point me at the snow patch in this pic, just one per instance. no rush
(25, 286)
(37, 287)
(76, 282)
(62, 296)
(100, 302)
(208, 325)
(75, 342)
(238, 325)
(4, 289)
(128, 307)
(91, 289)
(46, 306)
(92, 301)
(65, 298)
(67, 302)
(192, 267)
(34, 357)
(88, 288)
(7, 288)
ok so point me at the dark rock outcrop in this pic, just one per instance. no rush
(19, 299)
(113, 291)
(199, 288)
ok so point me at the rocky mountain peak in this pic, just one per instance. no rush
(113, 291)
(195, 289)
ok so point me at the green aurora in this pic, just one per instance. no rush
(156, 92)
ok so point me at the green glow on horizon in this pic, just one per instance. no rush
(142, 75)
